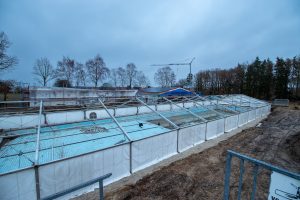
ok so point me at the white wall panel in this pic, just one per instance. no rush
(18, 186)
(163, 107)
(56, 118)
(258, 113)
(231, 123)
(145, 109)
(126, 111)
(75, 116)
(190, 136)
(58, 176)
(151, 150)
(243, 118)
(252, 115)
(189, 105)
(215, 128)
(20, 121)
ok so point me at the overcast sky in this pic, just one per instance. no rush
(219, 33)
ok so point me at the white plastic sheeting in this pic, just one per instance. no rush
(145, 109)
(18, 186)
(215, 128)
(175, 106)
(20, 121)
(243, 118)
(126, 111)
(64, 117)
(190, 136)
(231, 123)
(163, 107)
(59, 176)
(149, 151)
(188, 105)
(252, 115)
(258, 112)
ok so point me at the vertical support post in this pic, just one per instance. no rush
(241, 178)
(37, 182)
(177, 141)
(255, 171)
(227, 176)
(101, 193)
(123, 131)
(38, 135)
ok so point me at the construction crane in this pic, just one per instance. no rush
(190, 75)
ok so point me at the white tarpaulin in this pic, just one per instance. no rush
(258, 113)
(18, 186)
(215, 128)
(126, 111)
(62, 175)
(20, 121)
(64, 117)
(252, 115)
(243, 118)
(190, 136)
(231, 123)
(151, 150)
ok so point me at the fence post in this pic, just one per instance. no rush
(227, 176)
(101, 193)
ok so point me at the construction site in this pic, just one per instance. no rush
(49, 149)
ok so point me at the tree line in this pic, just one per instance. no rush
(72, 73)
(262, 79)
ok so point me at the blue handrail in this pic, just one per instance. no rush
(77, 187)
(257, 164)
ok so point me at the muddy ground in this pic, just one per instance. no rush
(201, 175)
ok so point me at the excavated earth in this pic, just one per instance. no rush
(201, 175)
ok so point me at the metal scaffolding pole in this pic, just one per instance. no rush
(38, 135)
(195, 102)
(142, 102)
(115, 120)
(195, 115)
(203, 99)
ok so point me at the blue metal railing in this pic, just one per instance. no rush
(100, 180)
(257, 164)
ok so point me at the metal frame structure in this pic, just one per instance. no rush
(257, 164)
(88, 183)
(109, 104)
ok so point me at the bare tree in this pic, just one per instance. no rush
(114, 77)
(122, 75)
(97, 70)
(65, 69)
(43, 70)
(131, 73)
(165, 77)
(6, 61)
(80, 74)
(141, 80)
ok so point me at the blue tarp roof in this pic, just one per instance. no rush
(166, 92)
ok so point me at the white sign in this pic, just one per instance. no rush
(283, 188)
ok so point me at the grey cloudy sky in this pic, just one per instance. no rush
(219, 33)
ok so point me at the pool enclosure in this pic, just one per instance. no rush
(46, 150)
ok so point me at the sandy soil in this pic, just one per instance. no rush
(201, 175)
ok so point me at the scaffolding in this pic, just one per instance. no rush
(124, 135)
